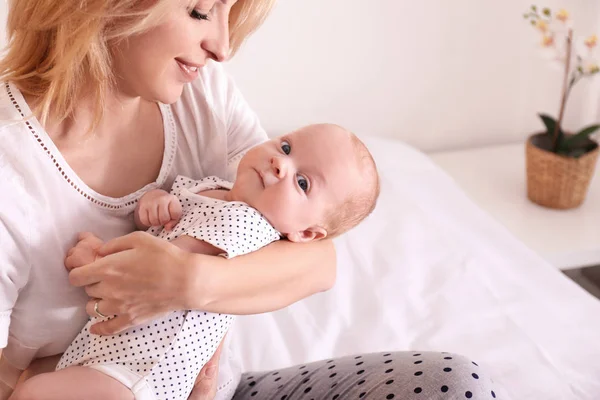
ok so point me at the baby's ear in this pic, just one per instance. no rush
(307, 235)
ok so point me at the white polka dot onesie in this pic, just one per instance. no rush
(162, 359)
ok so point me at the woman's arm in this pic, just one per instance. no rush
(141, 277)
(266, 280)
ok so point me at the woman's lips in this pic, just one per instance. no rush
(189, 69)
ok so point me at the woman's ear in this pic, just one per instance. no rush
(307, 235)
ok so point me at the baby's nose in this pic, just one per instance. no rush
(278, 166)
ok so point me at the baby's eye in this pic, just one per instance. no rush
(302, 182)
(285, 146)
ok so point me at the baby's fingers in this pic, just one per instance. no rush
(175, 209)
(144, 216)
(170, 225)
(154, 216)
(163, 214)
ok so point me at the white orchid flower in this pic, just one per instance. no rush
(588, 60)
(577, 58)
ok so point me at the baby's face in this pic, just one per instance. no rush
(295, 179)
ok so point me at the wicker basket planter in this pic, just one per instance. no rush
(554, 180)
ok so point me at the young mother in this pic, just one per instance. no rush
(101, 101)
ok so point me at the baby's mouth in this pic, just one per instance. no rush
(262, 178)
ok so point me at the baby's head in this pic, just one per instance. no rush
(318, 181)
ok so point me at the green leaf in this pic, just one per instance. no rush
(547, 12)
(550, 126)
(588, 131)
(549, 122)
(580, 136)
(561, 147)
(577, 153)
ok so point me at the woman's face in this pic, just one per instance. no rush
(156, 64)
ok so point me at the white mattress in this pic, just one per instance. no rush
(429, 270)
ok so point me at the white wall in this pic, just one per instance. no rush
(438, 74)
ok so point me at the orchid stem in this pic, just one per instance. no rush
(565, 92)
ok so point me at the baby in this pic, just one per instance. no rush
(316, 182)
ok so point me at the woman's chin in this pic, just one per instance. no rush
(170, 95)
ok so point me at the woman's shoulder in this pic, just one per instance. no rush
(13, 110)
(15, 135)
(23, 153)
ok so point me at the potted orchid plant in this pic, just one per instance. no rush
(560, 164)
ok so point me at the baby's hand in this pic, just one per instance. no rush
(159, 208)
(85, 251)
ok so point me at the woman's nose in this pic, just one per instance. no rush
(216, 42)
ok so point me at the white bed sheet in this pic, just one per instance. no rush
(429, 270)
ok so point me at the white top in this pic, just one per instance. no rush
(141, 356)
(44, 205)
(494, 177)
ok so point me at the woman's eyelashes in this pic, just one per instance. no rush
(198, 15)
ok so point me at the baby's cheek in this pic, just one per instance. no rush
(282, 212)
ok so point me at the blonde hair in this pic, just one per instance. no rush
(58, 49)
(361, 203)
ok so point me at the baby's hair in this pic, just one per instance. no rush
(362, 202)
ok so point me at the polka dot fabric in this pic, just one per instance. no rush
(169, 352)
(233, 227)
(376, 376)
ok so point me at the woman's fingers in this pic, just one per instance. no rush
(87, 274)
(113, 326)
(94, 291)
(105, 307)
(205, 387)
(135, 280)
(122, 243)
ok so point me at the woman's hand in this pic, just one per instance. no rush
(205, 387)
(137, 278)
(140, 277)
